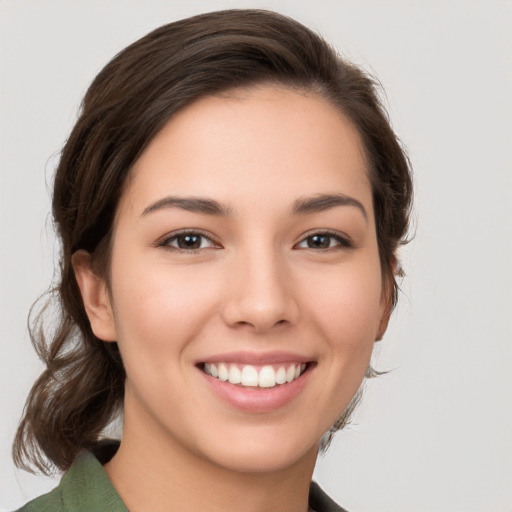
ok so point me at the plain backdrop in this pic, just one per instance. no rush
(434, 434)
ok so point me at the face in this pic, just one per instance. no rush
(245, 286)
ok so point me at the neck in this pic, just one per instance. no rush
(151, 472)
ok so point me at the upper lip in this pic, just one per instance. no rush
(257, 358)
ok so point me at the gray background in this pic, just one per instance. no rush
(435, 434)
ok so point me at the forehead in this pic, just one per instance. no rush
(250, 146)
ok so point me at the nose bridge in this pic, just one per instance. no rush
(260, 293)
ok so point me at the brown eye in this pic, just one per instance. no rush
(324, 241)
(319, 241)
(188, 241)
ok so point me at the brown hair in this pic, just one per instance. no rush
(136, 93)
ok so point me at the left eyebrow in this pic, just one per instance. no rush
(324, 202)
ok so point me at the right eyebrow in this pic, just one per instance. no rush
(191, 204)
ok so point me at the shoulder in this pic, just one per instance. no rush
(319, 501)
(85, 487)
(51, 502)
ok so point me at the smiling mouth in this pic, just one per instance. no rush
(250, 376)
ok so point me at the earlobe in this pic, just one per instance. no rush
(95, 296)
(384, 321)
(387, 300)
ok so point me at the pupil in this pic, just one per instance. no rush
(319, 242)
(189, 242)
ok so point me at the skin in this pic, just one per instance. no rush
(255, 285)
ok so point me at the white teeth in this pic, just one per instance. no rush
(223, 372)
(266, 377)
(281, 375)
(249, 376)
(235, 375)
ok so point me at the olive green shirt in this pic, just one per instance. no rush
(86, 487)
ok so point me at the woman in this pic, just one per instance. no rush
(229, 204)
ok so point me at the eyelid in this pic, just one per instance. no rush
(166, 239)
(345, 242)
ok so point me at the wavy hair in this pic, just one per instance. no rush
(130, 100)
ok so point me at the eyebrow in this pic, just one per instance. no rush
(324, 202)
(190, 204)
(302, 206)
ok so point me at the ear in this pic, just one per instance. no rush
(95, 296)
(387, 300)
(384, 321)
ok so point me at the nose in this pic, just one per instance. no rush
(260, 293)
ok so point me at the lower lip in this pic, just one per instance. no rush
(257, 399)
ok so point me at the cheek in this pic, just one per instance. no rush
(347, 304)
(345, 311)
(158, 312)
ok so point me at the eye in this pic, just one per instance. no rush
(324, 241)
(188, 241)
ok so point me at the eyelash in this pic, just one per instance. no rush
(166, 242)
(343, 242)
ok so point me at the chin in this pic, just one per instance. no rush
(262, 452)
